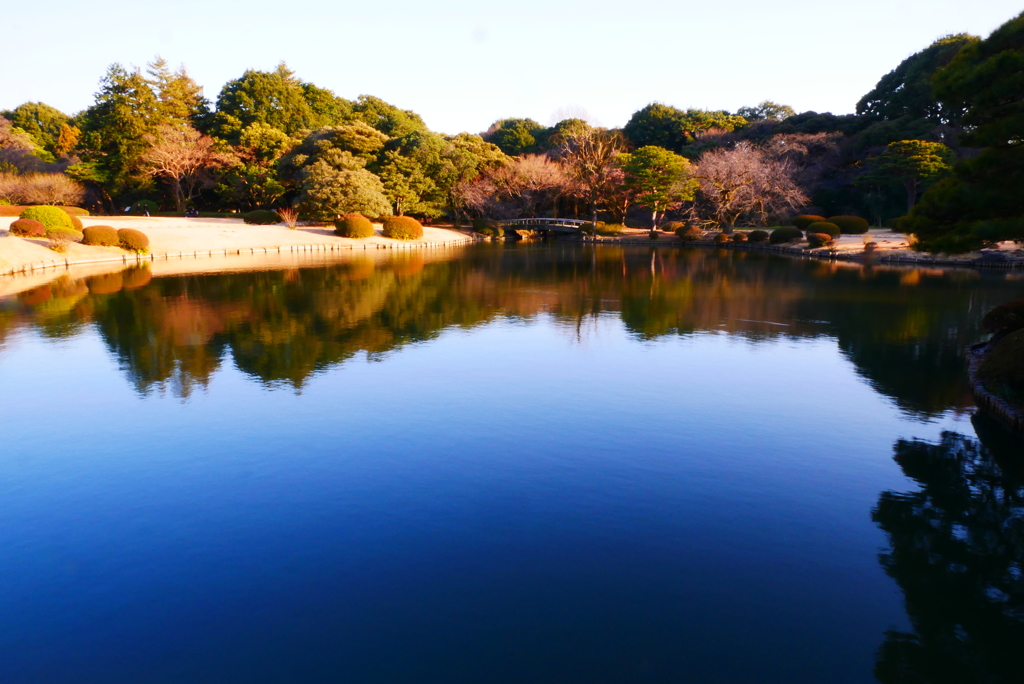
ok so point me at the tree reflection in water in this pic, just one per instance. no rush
(904, 331)
(956, 549)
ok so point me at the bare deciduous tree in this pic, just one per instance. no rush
(185, 159)
(589, 155)
(525, 187)
(811, 155)
(743, 183)
(40, 188)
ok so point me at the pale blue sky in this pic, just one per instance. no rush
(463, 64)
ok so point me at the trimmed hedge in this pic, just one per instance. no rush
(850, 225)
(818, 239)
(722, 237)
(609, 228)
(103, 236)
(77, 223)
(402, 228)
(60, 236)
(804, 220)
(1002, 371)
(133, 240)
(29, 228)
(1005, 318)
(50, 217)
(354, 226)
(75, 211)
(758, 236)
(785, 234)
(689, 233)
(261, 217)
(739, 237)
(824, 227)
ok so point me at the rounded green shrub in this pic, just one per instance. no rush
(1002, 371)
(354, 226)
(850, 225)
(402, 228)
(1004, 319)
(689, 233)
(823, 227)
(76, 211)
(758, 236)
(50, 217)
(103, 236)
(818, 239)
(804, 220)
(29, 228)
(61, 236)
(722, 237)
(609, 228)
(261, 217)
(785, 234)
(133, 240)
(739, 237)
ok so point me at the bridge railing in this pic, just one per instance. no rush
(568, 223)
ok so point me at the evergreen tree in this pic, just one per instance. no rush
(515, 136)
(41, 121)
(386, 118)
(673, 129)
(983, 203)
(114, 129)
(658, 179)
(909, 163)
(275, 98)
(180, 99)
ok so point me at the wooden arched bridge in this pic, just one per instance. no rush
(557, 225)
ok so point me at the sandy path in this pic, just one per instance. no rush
(181, 235)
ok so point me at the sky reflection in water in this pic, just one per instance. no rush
(530, 463)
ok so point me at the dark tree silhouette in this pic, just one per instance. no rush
(956, 549)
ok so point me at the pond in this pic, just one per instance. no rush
(542, 463)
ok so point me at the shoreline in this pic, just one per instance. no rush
(173, 238)
(1006, 413)
(889, 256)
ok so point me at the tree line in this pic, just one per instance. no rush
(933, 148)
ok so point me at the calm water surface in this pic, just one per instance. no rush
(525, 464)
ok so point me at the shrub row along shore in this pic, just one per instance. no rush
(52, 237)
